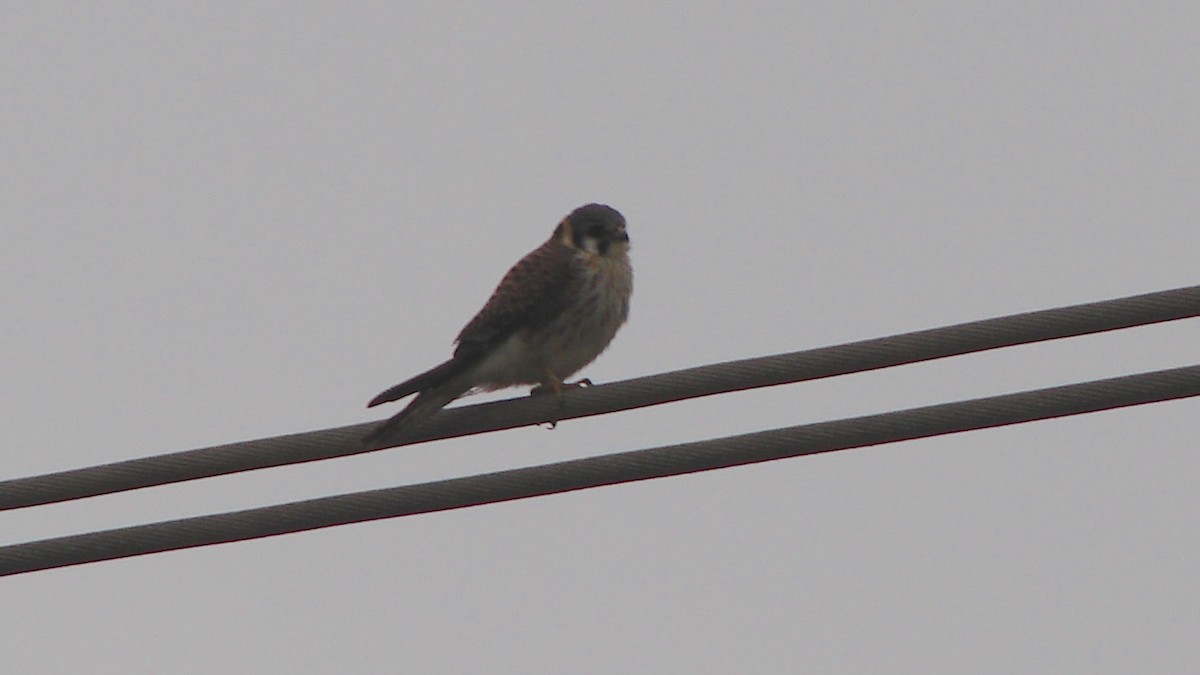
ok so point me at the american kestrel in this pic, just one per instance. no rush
(553, 313)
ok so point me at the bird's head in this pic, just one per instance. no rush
(595, 228)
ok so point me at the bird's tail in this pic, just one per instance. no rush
(425, 404)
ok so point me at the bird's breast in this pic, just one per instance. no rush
(597, 305)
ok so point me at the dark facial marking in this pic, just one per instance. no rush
(597, 222)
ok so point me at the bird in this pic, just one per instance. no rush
(551, 315)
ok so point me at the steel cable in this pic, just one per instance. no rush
(625, 395)
(602, 470)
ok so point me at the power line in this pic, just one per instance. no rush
(635, 393)
(604, 470)
(625, 395)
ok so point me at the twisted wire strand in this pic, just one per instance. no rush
(602, 470)
(639, 392)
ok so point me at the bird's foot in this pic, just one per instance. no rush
(556, 387)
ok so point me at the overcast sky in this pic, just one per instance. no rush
(226, 221)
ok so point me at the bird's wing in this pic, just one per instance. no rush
(530, 295)
(426, 380)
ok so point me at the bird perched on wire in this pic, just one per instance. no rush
(553, 313)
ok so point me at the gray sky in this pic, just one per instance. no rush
(225, 222)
